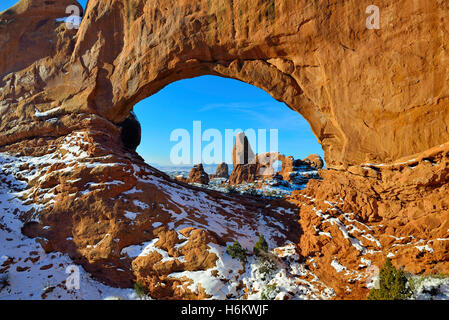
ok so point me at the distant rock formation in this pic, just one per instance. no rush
(249, 167)
(315, 161)
(243, 173)
(242, 153)
(377, 106)
(244, 161)
(222, 171)
(198, 175)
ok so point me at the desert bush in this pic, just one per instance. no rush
(261, 246)
(393, 284)
(266, 267)
(236, 251)
(140, 289)
(269, 292)
(231, 189)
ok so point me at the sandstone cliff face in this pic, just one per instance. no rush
(375, 99)
(353, 220)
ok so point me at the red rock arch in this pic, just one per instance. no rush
(369, 95)
(318, 58)
(267, 160)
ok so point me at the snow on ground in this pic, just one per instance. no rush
(46, 113)
(207, 214)
(33, 274)
(277, 277)
(26, 271)
(350, 228)
(430, 288)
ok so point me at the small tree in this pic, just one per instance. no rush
(231, 190)
(236, 251)
(393, 284)
(261, 246)
(140, 289)
(269, 292)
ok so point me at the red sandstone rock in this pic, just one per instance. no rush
(244, 173)
(242, 153)
(198, 175)
(314, 161)
(108, 72)
(222, 171)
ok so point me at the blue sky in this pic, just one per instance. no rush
(218, 103)
(6, 4)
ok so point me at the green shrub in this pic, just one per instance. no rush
(266, 267)
(261, 247)
(252, 192)
(140, 289)
(416, 284)
(269, 292)
(236, 251)
(231, 189)
(393, 284)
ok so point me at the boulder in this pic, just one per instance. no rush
(314, 161)
(131, 132)
(244, 173)
(222, 171)
(198, 175)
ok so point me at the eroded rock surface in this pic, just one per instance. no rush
(198, 175)
(353, 220)
(375, 99)
(222, 171)
(314, 161)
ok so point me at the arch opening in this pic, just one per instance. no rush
(205, 113)
(267, 76)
